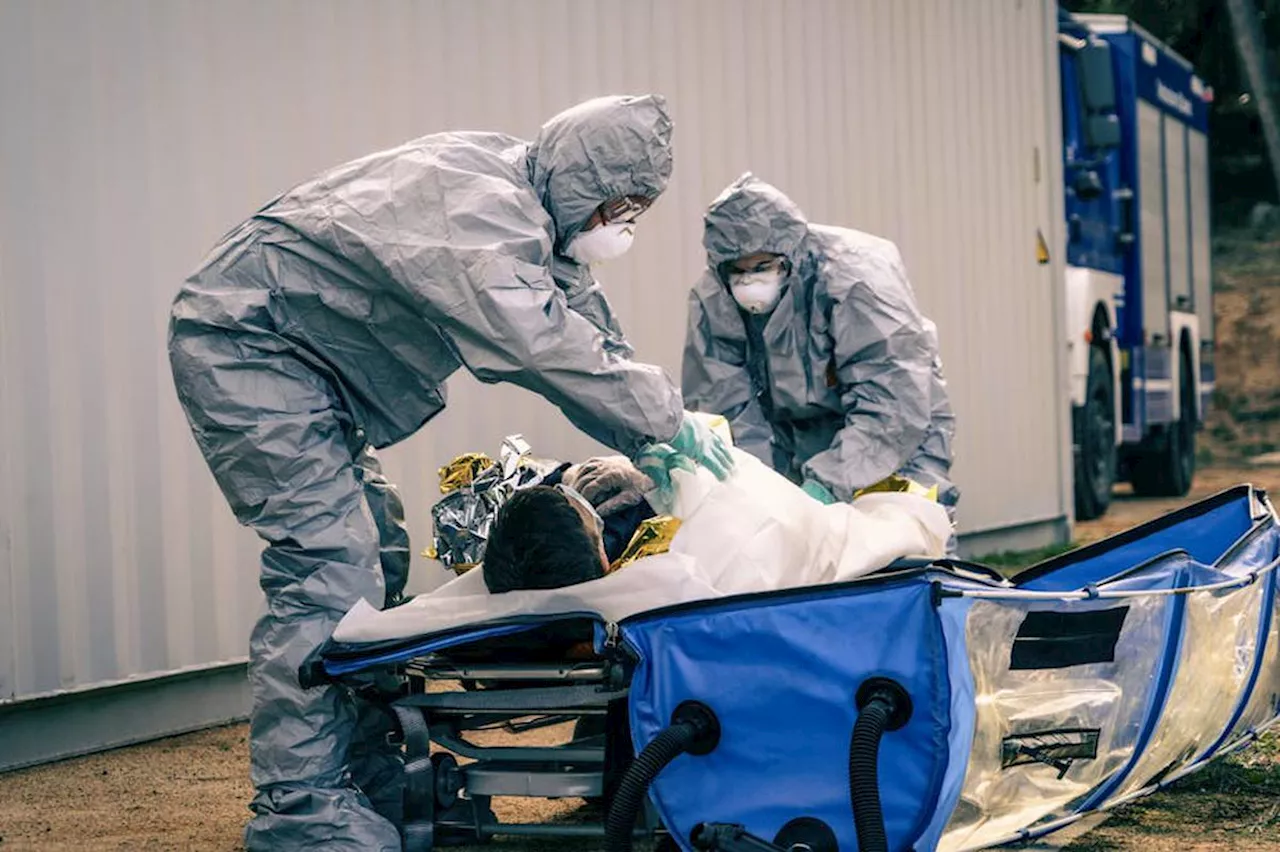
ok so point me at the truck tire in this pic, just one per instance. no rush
(1167, 466)
(1095, 427)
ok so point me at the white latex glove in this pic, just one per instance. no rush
(610, 483)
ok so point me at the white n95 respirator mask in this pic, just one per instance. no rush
(602, 243)
(757, 292)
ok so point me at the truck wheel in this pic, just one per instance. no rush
(1096, 436)
(1167, 466)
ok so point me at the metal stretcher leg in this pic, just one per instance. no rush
(444, 804)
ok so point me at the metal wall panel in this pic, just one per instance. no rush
(1201, 248)
(136, 132)
(1151, 189)
(1179, 216)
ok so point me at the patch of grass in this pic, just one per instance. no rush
(1258, 448)
(1269, 824)
(1012, 561)
(1238, 796)
(1222, 432)
(1236, 406)
(1093, 843)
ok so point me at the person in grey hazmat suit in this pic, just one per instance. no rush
(325, 326)
(807, 338)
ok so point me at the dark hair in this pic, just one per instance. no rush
(539, 541)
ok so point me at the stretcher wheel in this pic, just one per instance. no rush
(474, 812)
(448, 779)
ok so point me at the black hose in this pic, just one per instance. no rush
(621, 820)
(882, 706)
(693, 729)
(864, 782)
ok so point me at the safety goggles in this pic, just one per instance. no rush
(624, 210)
(578, 500)
(770, 264)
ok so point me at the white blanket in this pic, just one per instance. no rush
(754, 532)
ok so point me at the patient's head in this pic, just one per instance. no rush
(542, 538)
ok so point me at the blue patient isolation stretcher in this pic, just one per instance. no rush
(929, 706)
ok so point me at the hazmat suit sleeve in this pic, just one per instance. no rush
(883, 363)
(513, 324)
(450, 228)
(714, 375)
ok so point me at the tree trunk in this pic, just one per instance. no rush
(1253, 58)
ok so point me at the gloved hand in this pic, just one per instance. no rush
(818, 491)
(656, 461)
(696, 440)
(610, 483)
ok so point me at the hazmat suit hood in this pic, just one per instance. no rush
(749, 217)
(599, 150)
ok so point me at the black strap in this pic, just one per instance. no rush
(417, 739)
(419, 781)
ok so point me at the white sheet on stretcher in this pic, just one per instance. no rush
(754, 532)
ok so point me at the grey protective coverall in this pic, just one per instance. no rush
(842, 382)
(326, 325)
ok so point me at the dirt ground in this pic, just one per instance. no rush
(1127, 511)
(192, 792)
(1245, 419)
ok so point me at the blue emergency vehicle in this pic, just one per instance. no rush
(1139, 287)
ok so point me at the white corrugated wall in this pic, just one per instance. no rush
(133, 133)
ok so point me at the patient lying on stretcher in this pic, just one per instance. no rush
(757, 531)
(754, 532)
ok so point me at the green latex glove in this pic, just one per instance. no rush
(656, 461)
(696, 441)
(818, 491)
